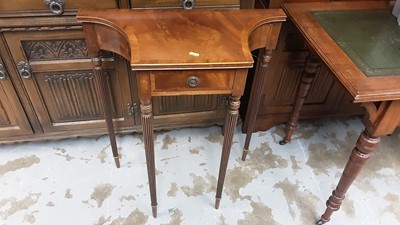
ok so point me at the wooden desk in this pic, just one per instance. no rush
(362, 52)
(176, 52)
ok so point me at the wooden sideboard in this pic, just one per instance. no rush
(46, 78)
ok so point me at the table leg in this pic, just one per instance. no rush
(230, 123)
(101, 80)
(380, 119)
(308, 75)
(255, 98)
(365, 145)
(148, 139)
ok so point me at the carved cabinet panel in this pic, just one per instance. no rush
(13, 121)
(57, 74)
(189, 110)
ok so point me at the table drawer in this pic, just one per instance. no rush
(187, 3)
(218, 81)
(54, 6)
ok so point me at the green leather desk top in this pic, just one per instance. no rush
(371, 38)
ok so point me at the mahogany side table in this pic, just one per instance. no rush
(359, 42)
(177, 52)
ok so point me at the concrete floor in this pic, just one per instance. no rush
(75, 181)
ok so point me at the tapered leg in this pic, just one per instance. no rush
(308, 75)
(101, 80)
(148, 139)
(365, 145)
(230, 123)
(255, 98)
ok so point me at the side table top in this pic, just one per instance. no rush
(179, 39)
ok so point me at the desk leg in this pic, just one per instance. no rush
(101, 80)
(308, 75)
(148, 139)
(365, 145)
(230, 123)
(381, 119)
(255, 98)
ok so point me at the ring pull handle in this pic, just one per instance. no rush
(3, 73)
(193, 81)
(55, 6)
(188, 4)
(24, 70)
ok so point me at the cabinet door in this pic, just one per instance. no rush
(189, 110)
(13, 120)
(57, 75)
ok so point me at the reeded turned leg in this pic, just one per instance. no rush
(101, 80)
(230, 123)
(255, 97)
(148, 139)
(365, 145)
(308, 75)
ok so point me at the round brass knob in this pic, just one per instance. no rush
(193, 81)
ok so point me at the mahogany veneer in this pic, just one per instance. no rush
(175, 52)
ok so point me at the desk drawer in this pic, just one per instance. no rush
(170, 82)
(188, 3)
(54, 6)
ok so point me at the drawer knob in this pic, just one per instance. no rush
(193, 81)
(24, 70)
(3, 73)
(55, 6)
(188, 4)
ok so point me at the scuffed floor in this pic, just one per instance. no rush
(75, 181)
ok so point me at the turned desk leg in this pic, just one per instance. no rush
(365, 145)
(255, 98)
(380, 119)
(308, 75)
(148, 139)
(101, 79)
(230, 123)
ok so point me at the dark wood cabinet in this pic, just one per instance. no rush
(13, 120)
(58, 79)
(59, 98)
(49, 92)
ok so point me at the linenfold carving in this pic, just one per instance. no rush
(74, 95)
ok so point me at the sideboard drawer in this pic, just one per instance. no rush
(54, 5)
(206, 81)
(181, 3)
